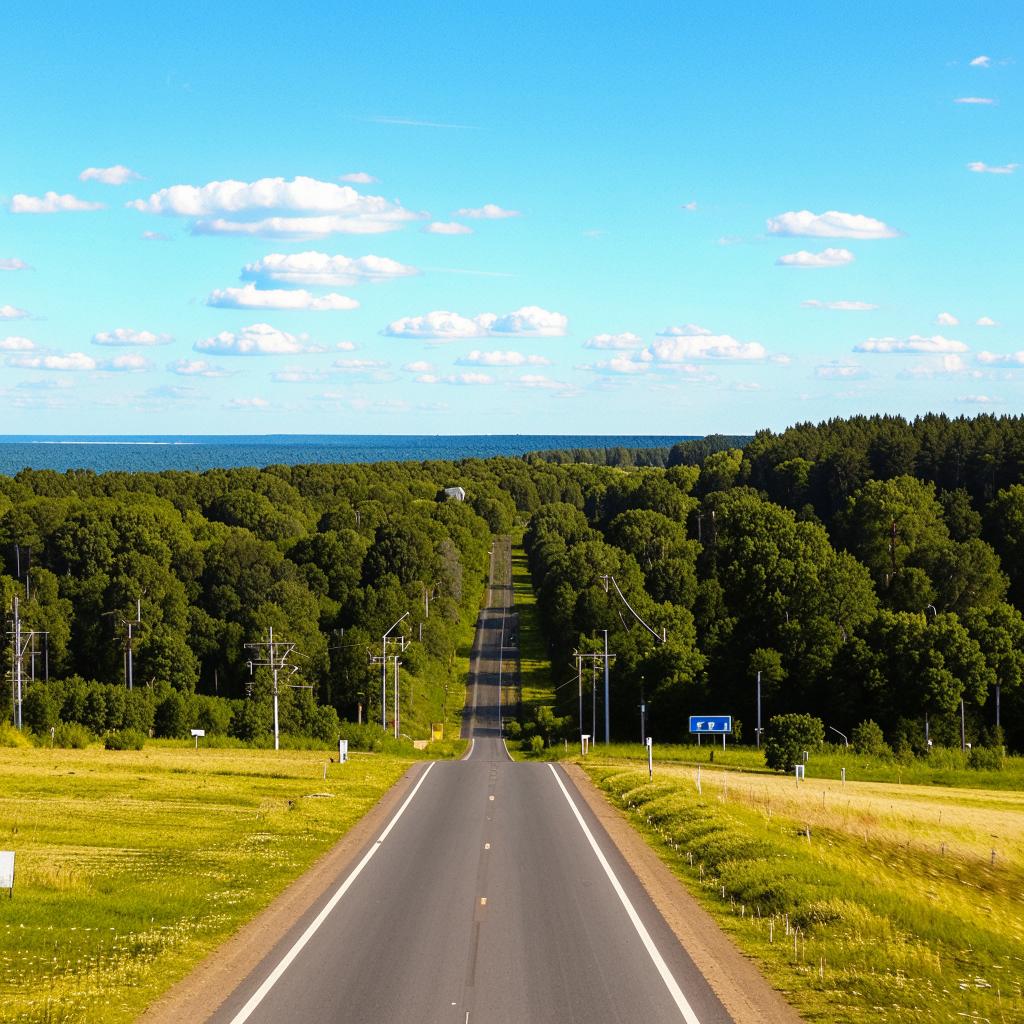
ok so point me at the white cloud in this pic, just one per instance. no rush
(14, 343)
(443, 325)
(196, 368)
(255, 340)
(499, 358)
(359, 365)
(419, 366)
(539, 381)
(830, 224)
(51, 203)
(468, 379)
(981, 61)
(359, 178)
(128, 336)
(324, 271)
(251, 297)
(986, 321)
(295, 376)
(620, 342)
(54, 361)
(947, 320)
(246, 403)
(847, 305)
(428, 378)
(838, 370)
(10, 263)
(975, 100)
(979, 400)
(155, 236)
(982, 168)
(633, 363)
(489, 211)
(12, 313)
(116, 175)
(440, 227)
(683, 344)
(346, 346)
(129, 362)
(323, 207)
(936, 344)
(826, 258)
(690, 207)
(1008, 359)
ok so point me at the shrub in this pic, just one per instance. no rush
(171, 719)
(72, 735)
(537, 744)
(788, 736)
(985, 758)
(252, 718)
(868, 738)
(39, 710)
(10, 737)
(213, 714)
(124, 739)
(513, 730)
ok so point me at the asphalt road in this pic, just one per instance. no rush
(493, 895)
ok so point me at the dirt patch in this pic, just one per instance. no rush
(198, 996)
(734, 978)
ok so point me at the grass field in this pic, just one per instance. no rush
(862, 901)
(534, 667)
(131, 866)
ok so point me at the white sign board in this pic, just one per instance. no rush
(342, 751)
(7, 869)
(198, 732)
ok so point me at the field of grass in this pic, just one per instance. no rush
(133, 865)
(537, 687)
(861, 901)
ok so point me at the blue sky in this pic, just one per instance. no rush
(662, 219)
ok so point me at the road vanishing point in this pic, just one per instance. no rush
(492, 895)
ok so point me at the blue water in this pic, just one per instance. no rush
(152, 454)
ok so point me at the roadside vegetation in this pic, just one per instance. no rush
(131, 866)
(862, 902)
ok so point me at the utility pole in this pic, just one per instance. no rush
(383, 659)
(607, 710)
(758, 709)
(129, 625)
(23, 643)
(274, 654)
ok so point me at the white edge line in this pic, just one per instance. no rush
(469, 750)
(666, 975)
(260, 994)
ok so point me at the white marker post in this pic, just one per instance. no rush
(7, 871)
(650, 759)
(342, 751)
(584, 743)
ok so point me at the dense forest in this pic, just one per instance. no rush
(870, 568)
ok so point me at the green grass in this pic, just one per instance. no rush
(537, 687)
(862, 902)
(133, 865)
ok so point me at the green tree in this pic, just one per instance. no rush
(788, 736)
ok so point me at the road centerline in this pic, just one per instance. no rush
(652, 950)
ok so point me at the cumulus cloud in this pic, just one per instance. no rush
(625, 340)
(499, 358)
(489, 211)
(303, 207)
(979, 400)
(441, 227)
(976, 100)
(1007, 359)
(443, 325)
(346, 346)
(539, 381)
(986, 321)
(69, 361)
(838, 370)
(116, 175)
(690, 342)
(128, 336)
(981, 61)
(469, 379)
(633, 363)
(419, 366)
(292, 375)
(246, 403)
(847, 305)
(130, 362)
(8, 312)
(826, 258)
(10, 263)
(196, 368)
(14, 343)
(830, 224)
(359, 178)
(982, 168)
(358, 365)
(251, 297)
(255, 340)
(936, 344)
(51, 203)
(321, 270)
(947, 320)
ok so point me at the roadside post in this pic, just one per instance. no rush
(584, 743)
(650, 759)
(342, 751)
(197, 734)
(7, 871)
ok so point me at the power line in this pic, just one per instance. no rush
(274, 654)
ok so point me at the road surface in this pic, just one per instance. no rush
(492, 895)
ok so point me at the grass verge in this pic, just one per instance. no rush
(861, 902)
(536, 684)
(133, 865)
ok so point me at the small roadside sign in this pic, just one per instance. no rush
(342, 751)
(717, 724)
(7, 870)
(197, 733)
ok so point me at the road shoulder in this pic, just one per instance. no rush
(198, 995)
(734, 978)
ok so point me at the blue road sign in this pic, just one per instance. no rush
(716, 724)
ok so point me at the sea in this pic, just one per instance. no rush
(191, 452)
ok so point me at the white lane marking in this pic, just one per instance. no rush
(666, 975)
(469, 752)
(261, 993)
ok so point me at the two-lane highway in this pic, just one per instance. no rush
(491, 895)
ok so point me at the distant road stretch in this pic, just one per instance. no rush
(492, 895)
